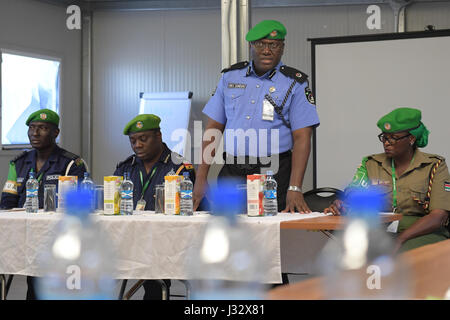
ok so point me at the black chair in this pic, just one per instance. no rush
(317, 202)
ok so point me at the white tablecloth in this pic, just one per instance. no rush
(148, 246)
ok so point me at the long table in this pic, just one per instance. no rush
(428, 268)
(157, 246)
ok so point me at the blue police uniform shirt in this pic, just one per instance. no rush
(55, 166)
(238, 104)
(134, 166)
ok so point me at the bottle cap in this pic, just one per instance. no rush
(86, 174)
(269, 172)
(227, 199)
(366, 202)
(186, 174)
(78, 203)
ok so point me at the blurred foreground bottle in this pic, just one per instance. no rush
(88, 185)
(227, 265)
(79, 264)
(359, 263)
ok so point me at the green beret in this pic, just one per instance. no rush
(400, 119)
(44, 115)
(142, 122)
(269, 29)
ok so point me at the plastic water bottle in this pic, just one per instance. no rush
(186, 203)
(88, 185)
(270, 204)
(358, 263)
(32, 200)
(126, 195)
(79, 262)
(227, 265)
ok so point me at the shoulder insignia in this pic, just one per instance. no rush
(188, 166)
(295, 74)
(130, 158)
(236, 66)
(79, 162)
(23, 154)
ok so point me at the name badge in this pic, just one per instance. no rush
(52, 177)
(268, 109)
(237, 85)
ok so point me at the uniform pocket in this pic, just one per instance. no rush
(418, 192)
(232, 97)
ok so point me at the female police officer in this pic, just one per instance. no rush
(417, 184)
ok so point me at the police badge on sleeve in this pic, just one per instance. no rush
(309, 96)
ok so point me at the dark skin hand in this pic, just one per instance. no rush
(300, 154)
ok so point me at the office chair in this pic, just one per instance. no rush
(317, 202)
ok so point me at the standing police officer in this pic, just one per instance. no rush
(152, 161)
(46, 159)
(267, 100)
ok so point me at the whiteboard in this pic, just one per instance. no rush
(174, 109)
(358, 80)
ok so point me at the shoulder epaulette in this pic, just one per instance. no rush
(69, 155)
(295, 74)
(239, 65)
(23, 154)
(131, 158)
(436, 156)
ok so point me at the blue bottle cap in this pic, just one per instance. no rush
(78, 203)
(366, 202)
(186, 174)
(227, 199)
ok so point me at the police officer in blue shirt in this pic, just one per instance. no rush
(264, 108)
(46, 159)
(152, 161)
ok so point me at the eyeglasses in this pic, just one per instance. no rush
(391, 140)
(259, 45)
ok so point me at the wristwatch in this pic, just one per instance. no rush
(295, 188)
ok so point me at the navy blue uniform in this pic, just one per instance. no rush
(61, 162)
(134, 166)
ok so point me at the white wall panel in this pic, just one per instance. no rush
(180, 50)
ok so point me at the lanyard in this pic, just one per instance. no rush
(148, 181)
(40, 176)
(394, 187)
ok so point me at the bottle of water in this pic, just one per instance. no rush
(32, 200)
(79, 262)
(186, 203)
(270, 205)
(88, 185)
(228, 264)
(359, 263)
(126, 195)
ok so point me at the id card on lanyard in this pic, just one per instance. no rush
(140, 206)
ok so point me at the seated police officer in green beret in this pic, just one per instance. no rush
(151, 162)
(417, 184)
(46, 159)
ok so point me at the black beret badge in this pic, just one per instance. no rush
(309, 95)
